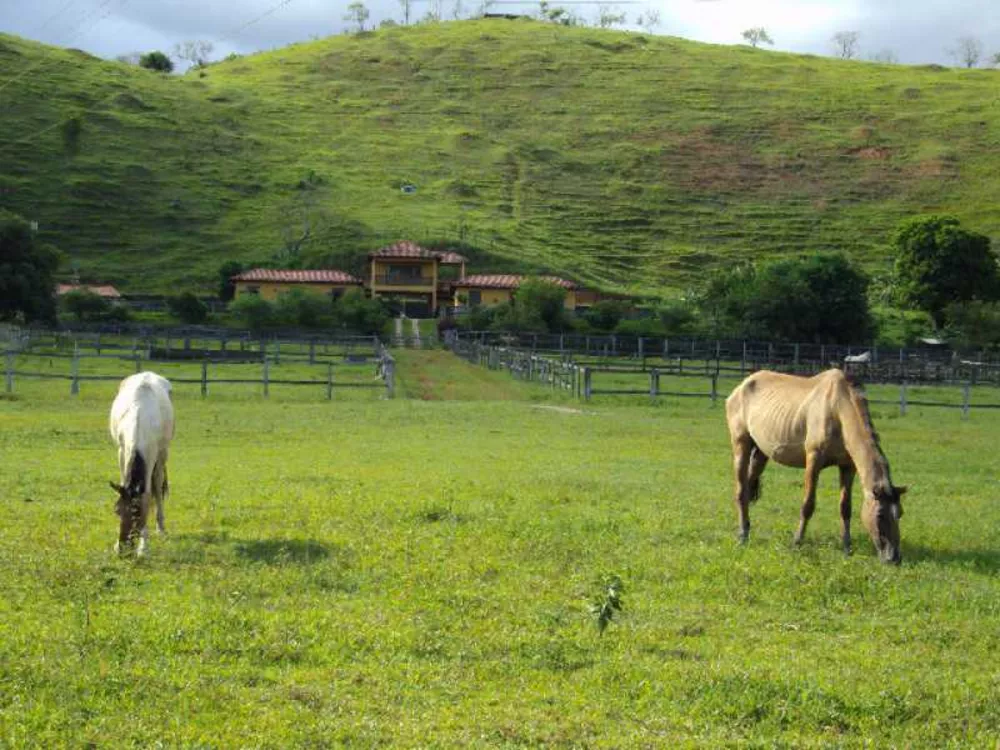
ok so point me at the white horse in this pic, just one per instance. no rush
(142, 426)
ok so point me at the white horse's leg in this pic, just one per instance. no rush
(160, 489)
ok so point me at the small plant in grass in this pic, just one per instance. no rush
(608, 601)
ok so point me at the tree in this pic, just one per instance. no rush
(886, 56)
(649, 20)
(357, 13)
(818, 298)
(195, 51)
(85, 305)
(26, 269)
(227, 289)
(406, 5)
(846, 44)
(968, 51)
(995, 60)
(538, 305)
(156, 60)
(606, 18)
(187, 308)
(130, 58)
(757, 35)
(937, 262)
(556, 14)
(304, 309)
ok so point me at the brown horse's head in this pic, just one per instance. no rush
(128, 509)
(880, 514)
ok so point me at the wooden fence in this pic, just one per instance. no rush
(212, 372)
(705, 378)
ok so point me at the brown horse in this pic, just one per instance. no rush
(813, 423)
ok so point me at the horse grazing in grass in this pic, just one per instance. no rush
(142, 426)
(813, 423)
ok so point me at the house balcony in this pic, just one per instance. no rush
(411, 282)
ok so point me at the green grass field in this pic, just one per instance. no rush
(417, 573)
(618, 159)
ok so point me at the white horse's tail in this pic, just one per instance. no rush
(135, 475)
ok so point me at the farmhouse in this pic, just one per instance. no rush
(101, 290)
(269, 283)
(412, 277)
(495, 289)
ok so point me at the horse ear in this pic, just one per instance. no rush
(116, 487)
(901, 490)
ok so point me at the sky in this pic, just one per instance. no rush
(908, 31)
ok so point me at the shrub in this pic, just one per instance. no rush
(360, 313)
(304, 309)
(85, 305)
(187, 308)
(252, 311)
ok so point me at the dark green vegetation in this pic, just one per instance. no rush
(617, 159)
(26, 272)
(421, 574)
(939, 263)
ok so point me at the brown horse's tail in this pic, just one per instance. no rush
(756, 483)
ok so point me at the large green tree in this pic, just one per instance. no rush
(26, 268)
(815, 298)
(937, 263)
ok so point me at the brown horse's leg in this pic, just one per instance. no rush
(846, 480)
(813, 466)
(741, 463)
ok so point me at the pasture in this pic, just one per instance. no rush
(418, 573)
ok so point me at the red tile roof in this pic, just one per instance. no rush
(451, 259)
(407, 249)
(290, 276)
(507, 281)
(102, 290)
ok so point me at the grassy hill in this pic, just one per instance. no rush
(619, 159)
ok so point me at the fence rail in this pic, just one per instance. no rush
(579, 379)
(18, 365)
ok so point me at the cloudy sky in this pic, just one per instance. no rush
(911, 31)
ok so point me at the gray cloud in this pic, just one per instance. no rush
(915, 31)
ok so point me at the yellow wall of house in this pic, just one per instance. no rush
(271, 290)
(490, 297)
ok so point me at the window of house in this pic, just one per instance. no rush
(475, 297)
(253, 290)
(404, 273)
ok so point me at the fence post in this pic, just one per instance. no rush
(390, 378)
(9, 371)
(329, 381)
(74, 385)
(312, 351)
(743, 361)
(266, 378)
(796, 356)
(204, 378)
(586, 384)
(138, 366)
(902, 399)
(654, 386)
(715, 389)
(277, 351)
(966, 394)
(97, 344)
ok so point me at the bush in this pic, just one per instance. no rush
(605, 315)
(26, 269)
(303, 309)
(85, 305)
(973, 325)
(253, 312)
(187, 308)
(359, 313)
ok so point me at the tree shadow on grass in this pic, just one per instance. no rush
(282, 551)
(261, 551)
(976, 558)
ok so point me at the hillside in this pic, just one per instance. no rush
(618, 159)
